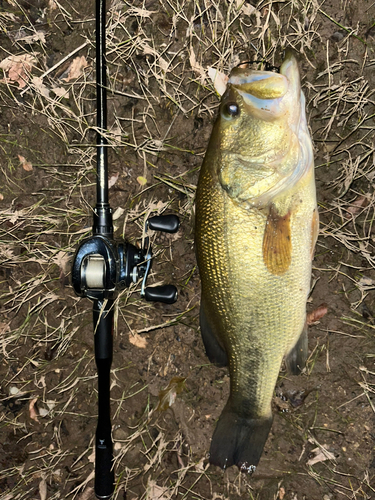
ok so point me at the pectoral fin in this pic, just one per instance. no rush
(296, 359)
(277, 242)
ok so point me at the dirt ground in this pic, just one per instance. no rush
(162, 105)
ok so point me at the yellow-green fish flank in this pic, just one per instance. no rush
(256, 228)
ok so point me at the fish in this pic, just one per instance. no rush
(255, 232)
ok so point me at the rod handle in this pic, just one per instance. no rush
(104, 474)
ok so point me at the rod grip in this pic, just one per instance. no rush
(104, 474)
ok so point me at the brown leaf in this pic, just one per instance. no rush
(155, 492)
(40, 87)
(137, 340)
(317, 314)
(43, 489)
(142, 180)
(112, 180)
(168, 396)
(18, 68)
(360, 202)
(60, 92)
(76, 68)
(141, 12)
(62, 259)
(196, 66)
(87, 494)
(52, 5)
(37, 36)
(4, 328)
(219, 79)
(147, 49)
(32, 411)
(26, 165)
(320, 455)
(281, 493)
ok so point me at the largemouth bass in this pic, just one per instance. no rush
(256, 228)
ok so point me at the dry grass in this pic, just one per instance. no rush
(161, 100)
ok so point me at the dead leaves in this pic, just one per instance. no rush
(112, 180)
(76, 68)
(320, 454)
(26, 165)
(17, 69)
(168, 395)
(43, 489)
(196, 66)
(219, 80)
(23, 36)
(142, 181)
(137, 340)
(32, 410)
(38, 84)
(317, 314)
(148, 50)
(357, 205)
(155, 492)
(246, 8)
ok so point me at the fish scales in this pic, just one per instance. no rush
(254, 254)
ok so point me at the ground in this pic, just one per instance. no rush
(162, 105)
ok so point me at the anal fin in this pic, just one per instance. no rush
(296, 358)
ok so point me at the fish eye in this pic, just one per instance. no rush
(231, 110)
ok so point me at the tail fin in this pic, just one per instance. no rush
(238, 440)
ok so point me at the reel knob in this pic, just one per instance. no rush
(164, 223)
(164, 293)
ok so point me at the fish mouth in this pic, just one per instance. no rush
(260, 84)
(265, 90)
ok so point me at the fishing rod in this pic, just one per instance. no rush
(103, 267)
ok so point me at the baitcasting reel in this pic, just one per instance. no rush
(102, 267)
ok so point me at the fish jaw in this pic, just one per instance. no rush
(266, 148)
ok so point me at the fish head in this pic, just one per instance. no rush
(259, 131)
